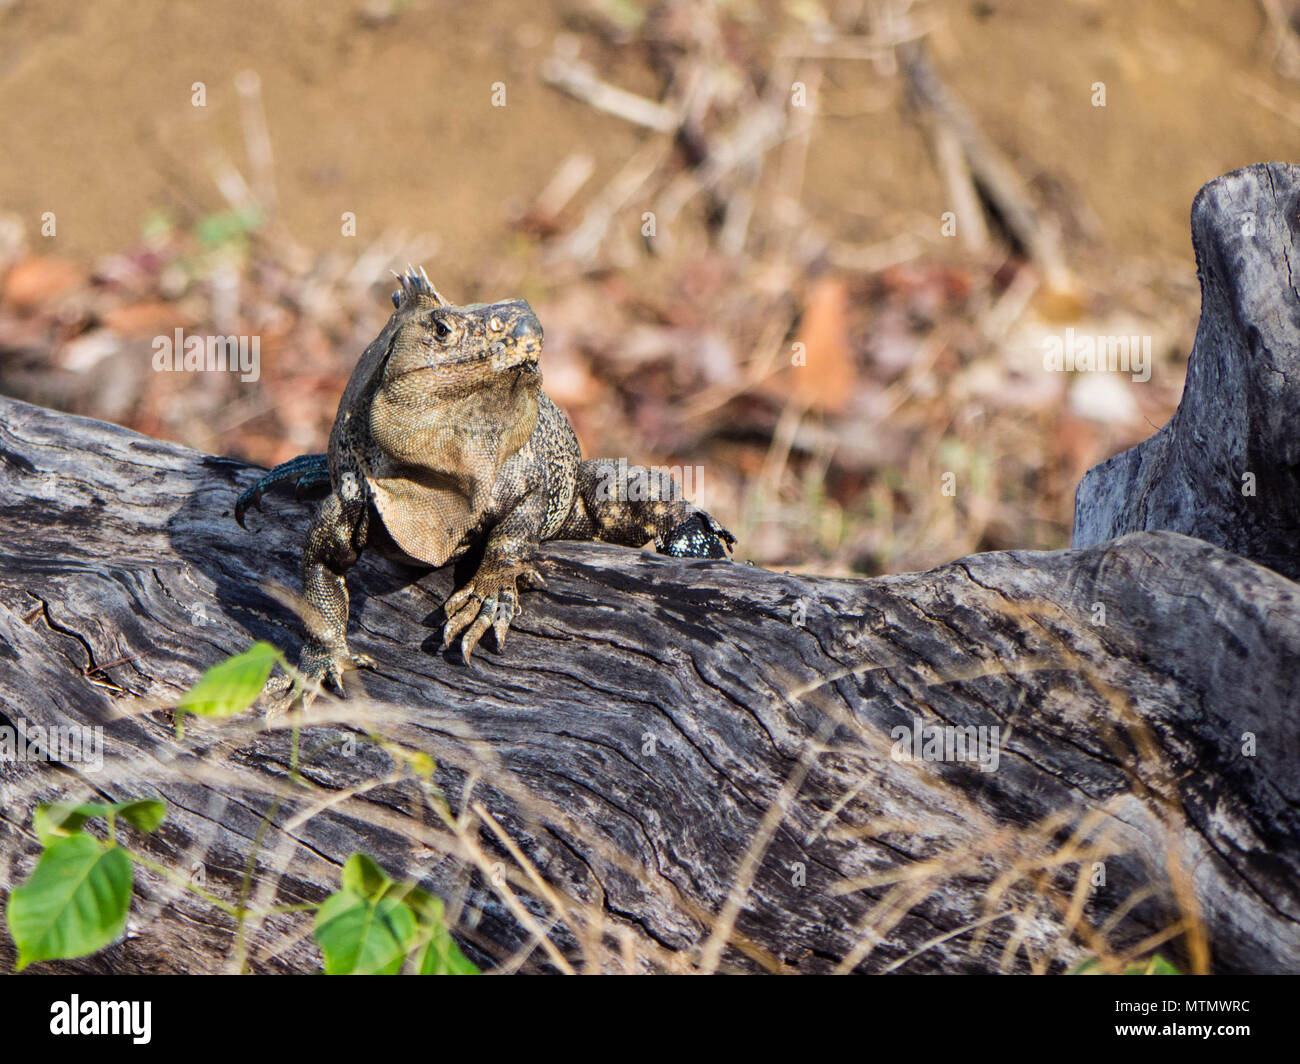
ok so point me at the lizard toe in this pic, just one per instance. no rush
(507, 611)
(491, 600)
(333, 678)
(278, 685)
(461, 609)
(459, 600)
(323, 665)
(532, 579)
(487, 613)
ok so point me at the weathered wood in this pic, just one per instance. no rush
(1226, 467)
(646, 716)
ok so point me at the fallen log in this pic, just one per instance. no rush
(1013, 762)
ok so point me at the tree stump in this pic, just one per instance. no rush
(1226, 467)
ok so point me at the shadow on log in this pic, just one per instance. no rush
(690, 766)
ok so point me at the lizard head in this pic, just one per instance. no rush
(446, 347)
(451, 387)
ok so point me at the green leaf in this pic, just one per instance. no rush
(54, 820)
(74, 903)
(1154, 965)
(233, 685)
(427, 907)
(144, 814)
(440, 955)
(363, 936)
(421, 763)
(227, 227)
(363, 875)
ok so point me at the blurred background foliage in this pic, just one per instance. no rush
(729, 217)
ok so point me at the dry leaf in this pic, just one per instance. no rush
(40, 279)
(144, 319)
(826, 381)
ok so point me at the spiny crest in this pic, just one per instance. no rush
(415, 284)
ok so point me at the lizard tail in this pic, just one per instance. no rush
(307, 471)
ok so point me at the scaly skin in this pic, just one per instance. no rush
(444, 441)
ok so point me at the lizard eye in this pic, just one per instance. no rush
(441, 329)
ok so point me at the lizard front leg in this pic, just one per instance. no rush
(491, 598)
(334, 543)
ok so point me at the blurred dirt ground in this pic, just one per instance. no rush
(744, 271)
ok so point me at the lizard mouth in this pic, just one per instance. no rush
(500, 357)
(523, 356)
(527, 369)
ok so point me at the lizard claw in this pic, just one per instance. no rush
(487, 601)
(323, 666)
(252, 497)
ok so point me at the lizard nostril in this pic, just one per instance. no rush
(496, 324)
(527, 328)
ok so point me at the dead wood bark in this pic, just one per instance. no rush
(1226, 467)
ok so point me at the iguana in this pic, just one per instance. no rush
(444, 441)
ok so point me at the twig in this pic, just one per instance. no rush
(989, 166)
(257, 139)
(1286, 47)
(962, 194)
(563, 186)
(750, 139)
(868, 46)
(939, 940)
(579, 80)
(230, 182)
(1268, 98)
(581, 245)
(876, 257)
(109, 664)
(793, 161)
